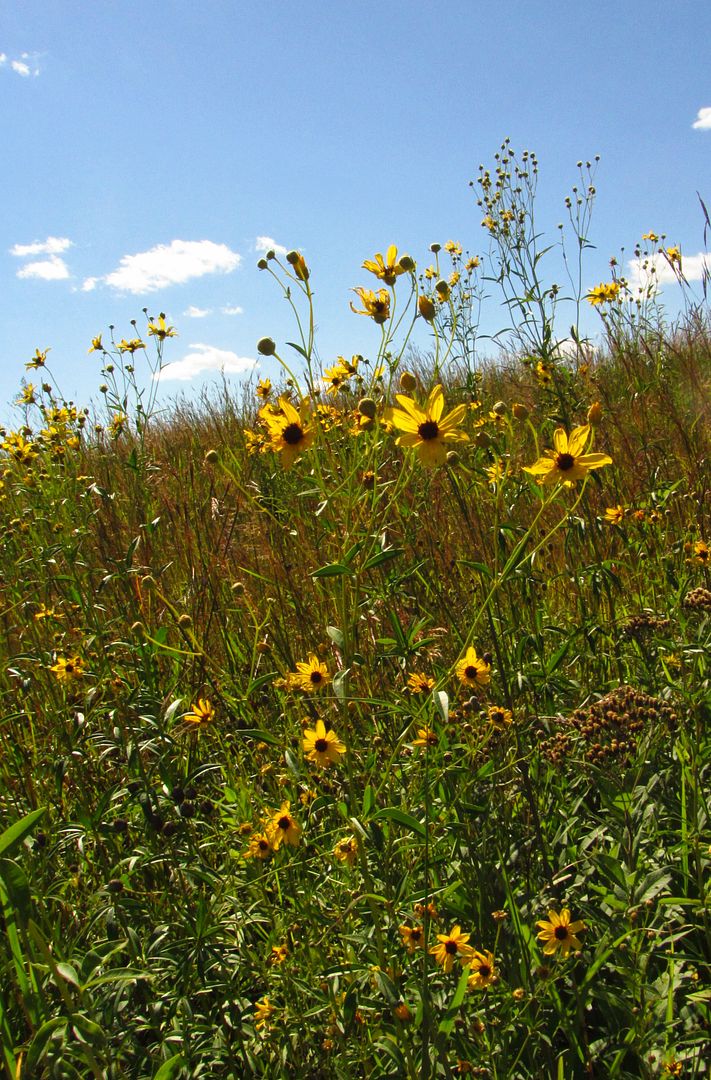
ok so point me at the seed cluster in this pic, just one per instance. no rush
(698, 599)
(609, 729)
(637, 626)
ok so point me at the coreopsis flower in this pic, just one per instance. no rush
(420, 684)
(346, 850)
(651, 236)
(321, 746)
(425, 737)
(472, 670)
(260, 846)
(263, 1012)
(375, 305)
(278, 954)
(67, 668)
(386, 269)
(160, 330)
(702, 553)
(131, 346)
(471, 264)
(483, 970)
(46, 613)
(499, 717)
(289, 432)
(604, 293)
(543, 373)
(452, 946)
(614, 514)
(283, 828)
(38, 360)
(426, 430)
(413, 937)
(673, 255)
(96, 345)
(310, 676)
(558, 932)
(567, 462)
(453, 248)
(264, 389)
(201, 713)
(335, 377)
(27, 397)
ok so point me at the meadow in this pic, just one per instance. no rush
(356, 725)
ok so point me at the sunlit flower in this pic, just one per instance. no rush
(260, 846)
(425, 429)
(263, 1012)
(543, 373)
(567, 462)
(388, 268)
(614, 514)
(131, 346)
(38, 360)
(673, 254)
(651, 236)
(453, 248)
(278, 954)
(702, 553)
(321, 746)
(288, 431)
(201, 713)
(471, 264)
(310, 676)
(559, 932)
(426, 308)
(604, 293)
(67, 668)
(425, 737)
(375, 305)
(264, 389)
(160, 330)
(413, 937)
(499, 717)
(473, 670)
(283, 828)
(96, 345)
(420, 684)
(27, 397)
(335, 377)
(346, 850)
(46, 613)
(483, 971)
(452, 946)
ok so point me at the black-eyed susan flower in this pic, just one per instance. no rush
(673, 255)
(38, 360)
(499, 717)
(452, 946)
(289, 432)
(278, 954)
(346, 850)
(263, 389)
(425, 737)
(201, 713)
(614, 515)
(559, 933)
(426, 430)
(605, 293)
(472, 670)
(483, 970)
(131, 346)
(419, 683)
(702, 553)
(263, 1012)
(310, 676)
(321, 746)
(283, 828)
(386, 269)
(375, 305)
(96, 345)
(567, 462)
(413, 937)
(160, 330)
(260, 846)
(67, 668)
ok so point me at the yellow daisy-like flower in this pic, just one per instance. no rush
(321, 746)
(543, 373)
(260, 846)
(604, 293)
(388, 268)
(702, 553)
(160, 330)
(131, 346)
(567, 462)
(264, 389)
(375, 305)
(673, 255)
(283, 828)
(67, 668)
(419, 684)
(652, 236)
(425, 737)
(263, 1012)
(335, 377)
(426, 430)
(483, 970)
(413, 937)
(201, 713)
(289, 433)
(96, 345)
(38, 360)
(499, 717)
(452, 946)
(559, 932)
(278, 954)
(615, 514)
(346, 850)
(310, 676)
(473, 670)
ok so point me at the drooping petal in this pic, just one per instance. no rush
(594, 461)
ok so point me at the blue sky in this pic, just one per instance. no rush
(149, 145)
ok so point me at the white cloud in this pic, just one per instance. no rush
(21, 68)
(265, 243)
(641, 276)
(3, 58)
(703, 120)
(53, 245)
(51, 269)
(206, 358)
(233, 309)
(168, 264)
(193, 312)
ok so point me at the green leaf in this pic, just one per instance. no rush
(299, 350)
(336, 636)
(332, 570)
(394, 813)
(382, 557)
(17, 888)
(454, 1006)
(170, 1068)
(14, 836)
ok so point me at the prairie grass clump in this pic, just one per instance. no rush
(358, 727)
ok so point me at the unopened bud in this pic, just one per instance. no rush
(262, 264)
(406, 263)
(426, 308)
(266, 346)
(453, 458)
(499, 408)
(434, 248)
(482, 439)
(408, 382)
(367, 407)
(185, 620)
(296, 259)
(595, 413)
(520, 411)
(211, 457)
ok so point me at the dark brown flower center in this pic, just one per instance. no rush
(284, 823)
(292, 434)
(565, 462)
(428, 430)
(561, 933)
(485, 971)
(415, 934)
(316, 677)
(470, 671)
(263, 845)
(321, 746)
(451, 947)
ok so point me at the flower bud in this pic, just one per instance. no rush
(520, 411)
(367, 407)
(434, 248)
(408, 382)
(211, 457)
(453, 458)
(185, 620)
(296, 259)
(482, 439)
(595, 413)
(442, 289)
(406, 263)
(499, 408)
(262, 264)
(426, 308)
(266, 346)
